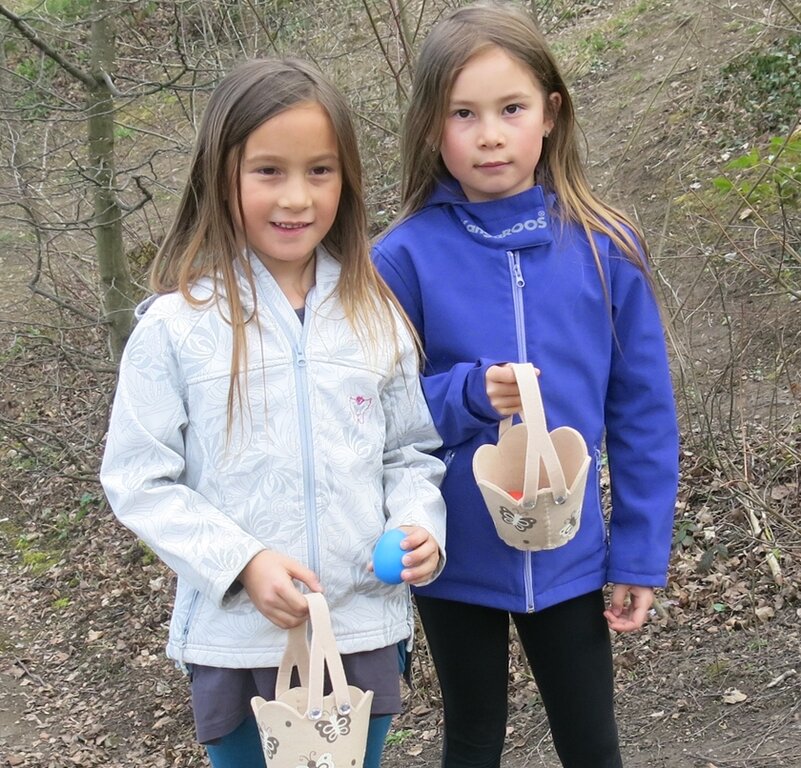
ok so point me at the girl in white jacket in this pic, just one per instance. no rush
(268, 424)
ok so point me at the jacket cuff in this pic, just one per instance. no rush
(653, 580)
(228, 585)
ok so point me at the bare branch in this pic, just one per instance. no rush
(29, 33)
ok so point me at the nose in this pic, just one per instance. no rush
(295, 194)
(491, 134)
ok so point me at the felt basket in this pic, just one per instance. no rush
(533, 481)
(302, 726)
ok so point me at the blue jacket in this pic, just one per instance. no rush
(503, 281)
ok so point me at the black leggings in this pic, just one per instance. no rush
(570, 654)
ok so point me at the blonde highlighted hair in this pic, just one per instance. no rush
(449, 46)
(202, 241)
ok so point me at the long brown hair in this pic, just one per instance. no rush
(202, 241)
(448, 47)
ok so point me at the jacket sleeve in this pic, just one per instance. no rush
(457, 398)
(412, 476)
(641, 435)
(144, 471)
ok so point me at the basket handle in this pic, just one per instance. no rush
(296, 654)
(539, 445)
(324, 653)
(311, 662)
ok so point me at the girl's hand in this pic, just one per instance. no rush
(268, 580)
(628, 607)
(422, 557)
(502, 390)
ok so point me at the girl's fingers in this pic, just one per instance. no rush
(421, 572)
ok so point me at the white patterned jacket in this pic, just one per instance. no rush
(333, 448)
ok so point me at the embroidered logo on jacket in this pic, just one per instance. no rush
(359, 406)
(529, 224)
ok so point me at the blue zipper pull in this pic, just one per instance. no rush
(300, 357)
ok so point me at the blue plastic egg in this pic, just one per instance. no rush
(387, 557)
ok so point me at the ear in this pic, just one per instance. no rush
(552, 108)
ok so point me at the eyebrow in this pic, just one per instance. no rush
(267, 158)
(506, 98)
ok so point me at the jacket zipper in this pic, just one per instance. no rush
(306, 442)
(190, 615)
(518, 284)
(307, 456)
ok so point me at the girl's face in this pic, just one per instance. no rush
(290, 184)
(495, 121)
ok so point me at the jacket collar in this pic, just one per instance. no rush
(519, 221)
(326, 276)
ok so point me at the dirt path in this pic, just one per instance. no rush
(15, 729)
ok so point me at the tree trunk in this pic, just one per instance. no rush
(112, 263)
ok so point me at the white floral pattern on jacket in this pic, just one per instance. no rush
(331, 449)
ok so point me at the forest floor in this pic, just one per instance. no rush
(713, 680)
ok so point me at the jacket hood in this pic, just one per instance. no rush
(519, 221)
(144, 305)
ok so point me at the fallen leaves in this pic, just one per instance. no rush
(733, 696)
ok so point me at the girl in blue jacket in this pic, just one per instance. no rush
(502, 253)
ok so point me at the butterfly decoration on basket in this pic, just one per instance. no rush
(324, 761)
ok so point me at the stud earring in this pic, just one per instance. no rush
(433, 149)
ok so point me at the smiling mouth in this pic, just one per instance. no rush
(290, 224)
